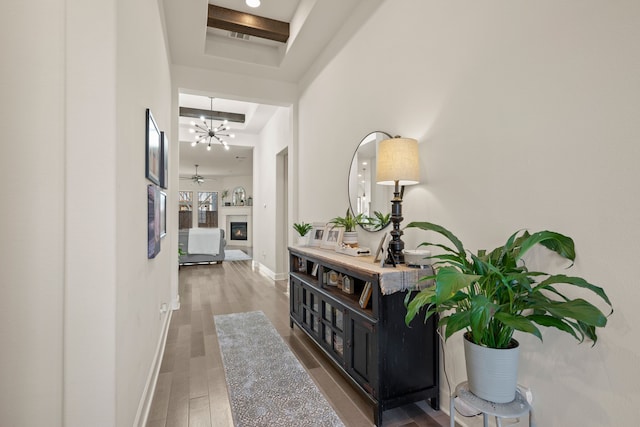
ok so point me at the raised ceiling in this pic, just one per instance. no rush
(312, 26)
(201, 40)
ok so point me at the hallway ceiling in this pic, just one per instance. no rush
(193, 43)
(313, 24)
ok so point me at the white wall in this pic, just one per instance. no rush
(275, 137)
(32, 249)
(143, 285)
(527, 118)
(81, 320)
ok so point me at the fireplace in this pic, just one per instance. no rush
(239, 231)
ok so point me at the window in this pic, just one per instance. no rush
(208, 209)
(185, 210)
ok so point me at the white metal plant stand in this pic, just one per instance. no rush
(515, 409)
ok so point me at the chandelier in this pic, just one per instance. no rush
(204, 132)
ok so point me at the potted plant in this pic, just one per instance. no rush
(302, 228)
(490, 295)
(224, 194)
(349, 222)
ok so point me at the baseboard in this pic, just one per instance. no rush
(281, 276)
(265, 271)
(150, 387)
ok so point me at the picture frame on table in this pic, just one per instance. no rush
(382, 248)
(332, 237)
(365, 295)
(153, 157)
(164, 160)
(317, 233)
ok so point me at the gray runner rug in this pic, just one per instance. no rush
(267, 384)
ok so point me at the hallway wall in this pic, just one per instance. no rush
(525, 114)
(81, 316)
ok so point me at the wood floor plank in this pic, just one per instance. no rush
(160, 403)
(199, 415)
(192, 386)
(198, 384)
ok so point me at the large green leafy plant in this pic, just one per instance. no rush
(492, 294)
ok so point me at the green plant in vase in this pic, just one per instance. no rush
(349, 222)
(302, 229)
(489, 295)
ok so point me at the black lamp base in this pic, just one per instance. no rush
(395, 253)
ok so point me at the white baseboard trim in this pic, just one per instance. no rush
(144, 407)
(282, 276)
(265, 271)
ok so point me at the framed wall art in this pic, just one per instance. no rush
(164, 157)
(153, 158)
(153, 221)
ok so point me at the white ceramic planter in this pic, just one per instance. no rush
(303, 240)
(350, 238)
(492, 373)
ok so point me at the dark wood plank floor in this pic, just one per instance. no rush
(191, 389)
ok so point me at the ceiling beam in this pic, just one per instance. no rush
(246, 23)
(211, 115)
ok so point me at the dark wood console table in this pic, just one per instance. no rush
(388, 362)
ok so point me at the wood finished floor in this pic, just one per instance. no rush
(191, 389)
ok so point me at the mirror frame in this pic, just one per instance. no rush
(350, 177)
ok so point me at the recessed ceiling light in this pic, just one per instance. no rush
(253, 3)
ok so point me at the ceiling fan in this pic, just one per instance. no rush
(197, 179)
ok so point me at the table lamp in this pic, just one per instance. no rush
(398, 165)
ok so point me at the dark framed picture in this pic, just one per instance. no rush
(153, 169)
(153, 221)
(163, 214)
(164, 157)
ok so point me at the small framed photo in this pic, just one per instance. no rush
(347, 285)
(380, 250)
(365, 295)
(317, 233)
(331, 237)
(333, 278)
(153, 170)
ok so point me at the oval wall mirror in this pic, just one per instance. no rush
(365, 197)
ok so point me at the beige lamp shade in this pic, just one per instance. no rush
(398, 160)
